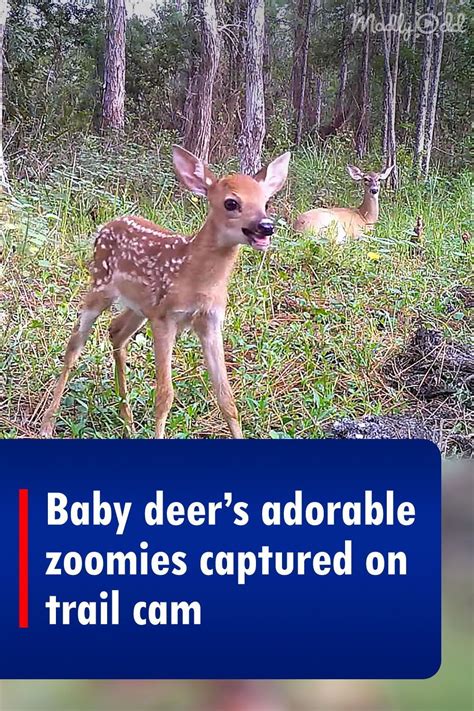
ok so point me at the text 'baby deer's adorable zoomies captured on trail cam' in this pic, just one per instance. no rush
(348, 221)
(175, 281)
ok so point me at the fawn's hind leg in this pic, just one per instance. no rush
(94, 303)
(121, 330)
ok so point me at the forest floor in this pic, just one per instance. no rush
(313, 333)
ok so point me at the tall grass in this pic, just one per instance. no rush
(309, 324)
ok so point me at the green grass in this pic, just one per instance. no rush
(308, 327)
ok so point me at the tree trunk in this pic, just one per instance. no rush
(362, 133)
(267, 73)
(113, 100)
(314, 83)
(409, 95)
(423, 93)
(434, 88)
(318, 101)
(398, 10)
(386, 108)
(236, 50)
(340, 106)
(228, 85)
(4, 184)
(313, 100)
(253, 133)
(296, 71)
(198, 108)
(390, 153)
(304, 68)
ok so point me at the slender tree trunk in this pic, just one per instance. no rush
(113, 100)
(313, 100)
(398, 11)
(304, 69)
(340, 105)
(386, 99)
(4, 184)
(396, 7)
(390, 152)
(434, 88)
(318, 101)
(198, 108)
(412, 44)
(362, 133)
(253, 132)
(296, 71)
(423, 93)
(267, 73)
(236, 54)
(314, 83)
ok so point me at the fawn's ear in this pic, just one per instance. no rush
(274, 175)
(355, 172)
(385, 173)
(192, 171)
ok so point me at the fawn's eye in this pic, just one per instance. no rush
(231, 204)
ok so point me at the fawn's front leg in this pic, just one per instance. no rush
(209, 331)
(164, 335)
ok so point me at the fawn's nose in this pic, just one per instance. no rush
(266, 227)
(374, 191)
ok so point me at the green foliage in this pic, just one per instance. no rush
(53, 52)
(159, 50)
(54, 65)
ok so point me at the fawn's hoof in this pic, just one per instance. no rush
(46, 431)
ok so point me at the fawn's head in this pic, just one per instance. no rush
(371, 179)
(237, 203)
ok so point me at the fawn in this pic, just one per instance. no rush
(348, 221)
(175, 281)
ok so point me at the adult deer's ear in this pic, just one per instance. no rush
(192, 171)
(274, 175)
(355, 172)
(384, 175)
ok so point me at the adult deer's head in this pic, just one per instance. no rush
(371, 179)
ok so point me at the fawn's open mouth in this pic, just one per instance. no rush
(257, 240)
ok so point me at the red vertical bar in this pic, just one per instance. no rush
(23, 558)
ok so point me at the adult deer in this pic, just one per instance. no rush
(348, 221)
(175, 281)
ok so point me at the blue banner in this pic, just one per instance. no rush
(220, 559)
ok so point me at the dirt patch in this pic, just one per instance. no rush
(435, 429)
(381, 427)
(438, 379)
(463, 296)
(430, 367)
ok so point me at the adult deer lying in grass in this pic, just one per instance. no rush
(348, 221)
(175, 281)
